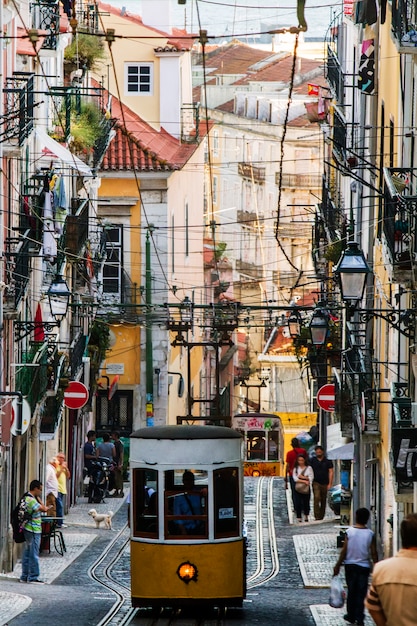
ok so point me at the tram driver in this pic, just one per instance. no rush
(189, 503)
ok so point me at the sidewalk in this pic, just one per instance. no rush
(81, 531)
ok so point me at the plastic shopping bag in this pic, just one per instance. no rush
(337, 593)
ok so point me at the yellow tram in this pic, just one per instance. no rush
(186, 517)
(263, 437)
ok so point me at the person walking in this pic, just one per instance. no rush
(290, 463)
(32, 529)
(303, 477)
(62, 474)
(359, 548)
(51, 486)
(118, 465)
(392, 597)
(323, 480)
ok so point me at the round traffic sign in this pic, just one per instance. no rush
(326, 397)
(76, 395)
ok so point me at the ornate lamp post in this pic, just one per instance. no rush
(352, 270)
(59, 296)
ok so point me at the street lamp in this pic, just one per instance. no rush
(352, 269)
(59, 296)
(319, 327)
(294, 324)
(186, 311)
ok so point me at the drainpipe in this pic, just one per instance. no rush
(149, 348)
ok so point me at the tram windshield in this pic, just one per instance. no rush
(186, 493)
(262, 445)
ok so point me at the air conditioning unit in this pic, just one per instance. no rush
(414, 413)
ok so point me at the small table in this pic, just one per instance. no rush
(50, 531)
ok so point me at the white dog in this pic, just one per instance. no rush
(102, 517)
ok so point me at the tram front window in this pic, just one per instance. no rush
(186, 493)
(145, 503)
(256, 445)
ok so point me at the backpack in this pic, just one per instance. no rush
(19, 515)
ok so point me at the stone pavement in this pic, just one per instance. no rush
(80, 532)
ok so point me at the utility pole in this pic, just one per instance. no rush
(149, 348)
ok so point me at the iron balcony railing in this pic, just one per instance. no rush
(335, 76)
(339, 137)
(33, 381)
(45, 17)
(404, 25)
(17, 255)
(18, 94)
(77, 350)
(399, 216)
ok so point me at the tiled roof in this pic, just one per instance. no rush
(280, 69)
(234, 58)
(138, 146)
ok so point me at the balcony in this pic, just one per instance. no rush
(77, 350)
(399, 219)
(401, 406)
(17, 120)
(33, 381)
(124, 303)
(299, 181)
(17, 272)
(335, 76)
(45, 17)
(250, 269)
(339, 137)
(251, 172)
(404, 26)
(250, 218)
(76, 227)
(88, 17)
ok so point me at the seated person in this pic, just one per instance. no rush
(188, 503)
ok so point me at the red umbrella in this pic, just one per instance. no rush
(39, 333)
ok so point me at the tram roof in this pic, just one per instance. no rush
(185, 432)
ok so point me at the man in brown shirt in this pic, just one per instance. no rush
(392, 597)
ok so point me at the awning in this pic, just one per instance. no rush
(53, 149)
(342, 453)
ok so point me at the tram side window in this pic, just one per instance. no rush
(226, 502)
(186, 493)
(273, 446)
(145, 503)
(256, 445)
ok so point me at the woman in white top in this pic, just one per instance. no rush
(358, 549)
(303, 475)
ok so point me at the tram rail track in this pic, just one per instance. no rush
(267, 561)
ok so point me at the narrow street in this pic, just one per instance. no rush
(90, 583)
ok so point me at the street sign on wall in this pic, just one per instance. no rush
(326, 397)
(76, 395)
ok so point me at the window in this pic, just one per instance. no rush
(226, 499)
(256, 445)
(115, 414)
(214, 189)
(215, 143)
(145, 503)
(112, 268)
(186, 493)
(138, 79)
(172, 243)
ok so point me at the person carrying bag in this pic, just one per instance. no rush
(303, 477)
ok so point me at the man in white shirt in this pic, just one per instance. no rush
(51, 486)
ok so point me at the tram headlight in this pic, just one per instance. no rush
(187, 571)
(256, 473)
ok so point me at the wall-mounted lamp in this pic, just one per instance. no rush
(294, 324)
(59, 296)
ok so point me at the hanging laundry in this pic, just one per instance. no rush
(60, 207)
(49, 242)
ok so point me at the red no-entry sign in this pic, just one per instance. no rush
(326, 397)
(75, 395)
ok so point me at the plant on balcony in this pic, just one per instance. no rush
(219, 251)
(84, 52)
(98, 342)
(334, 251)
(86, 128)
